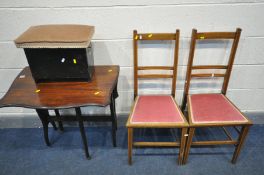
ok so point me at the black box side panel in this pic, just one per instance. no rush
(59, 64)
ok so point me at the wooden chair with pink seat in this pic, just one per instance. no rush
(156, 111)
(213, 110)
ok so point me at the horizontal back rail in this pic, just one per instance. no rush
(215, 35)
(155, 68)
(206, 75)
(209, 67)
(155, 76)
(155, 36)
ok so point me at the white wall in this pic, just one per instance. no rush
(115, 20)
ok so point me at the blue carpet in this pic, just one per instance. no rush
(23, 151)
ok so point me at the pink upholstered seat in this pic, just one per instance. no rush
(210, 108)
(156, 109)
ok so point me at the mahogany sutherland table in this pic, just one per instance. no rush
(100, 91)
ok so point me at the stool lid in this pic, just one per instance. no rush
(56, 36)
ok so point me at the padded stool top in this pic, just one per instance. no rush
(56, 36)
(213, 108)
(156, 109)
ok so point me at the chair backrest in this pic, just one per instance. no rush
(155, 36)
(234, 36)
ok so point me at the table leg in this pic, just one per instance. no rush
(114, 122)
(54, 125)
(114, 109)
(43, 115)
(80, 120)
(114, 96)
(115, 92)
(60, 122)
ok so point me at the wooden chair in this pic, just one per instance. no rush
(213, 110)
(156, 111)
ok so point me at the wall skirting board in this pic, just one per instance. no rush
(32, 121)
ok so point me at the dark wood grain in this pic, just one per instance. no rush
(55, 95)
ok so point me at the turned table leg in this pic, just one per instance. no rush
(60, 122)
(43, 115)
(80, 120)
(114, 122)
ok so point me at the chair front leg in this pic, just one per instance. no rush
(188, 145)
(241, 140)
(130, 144)
(182, 145)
